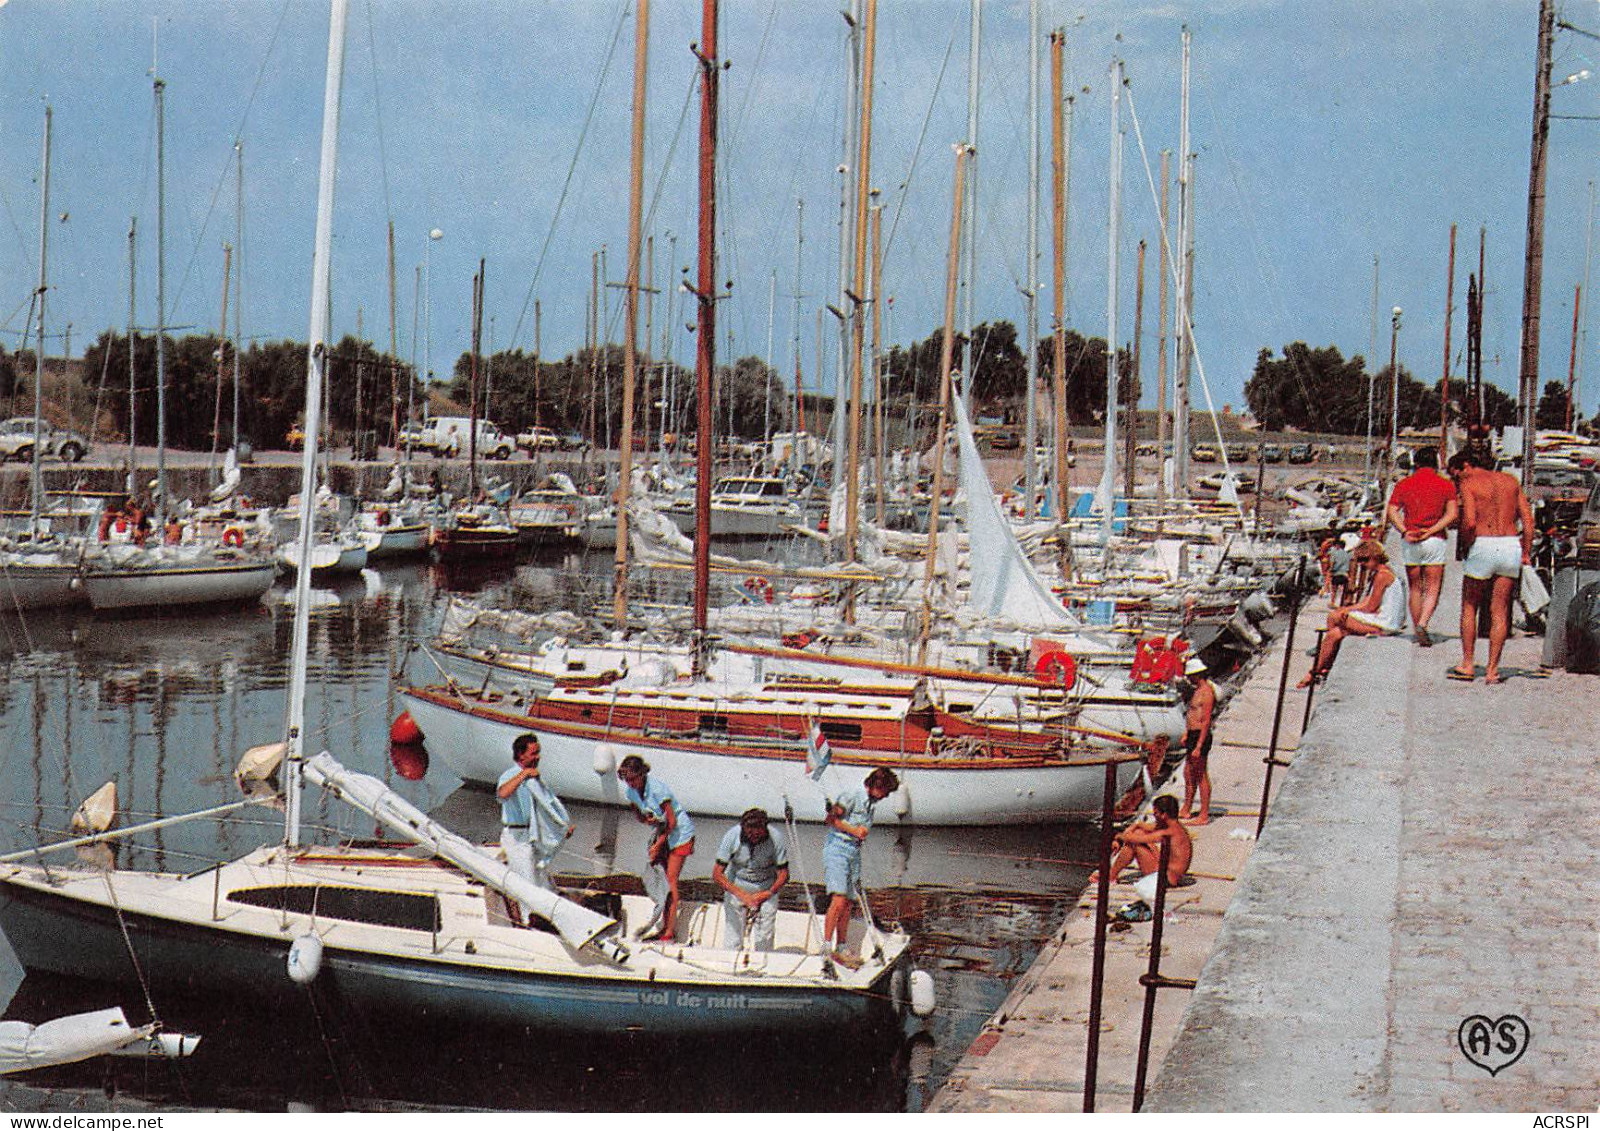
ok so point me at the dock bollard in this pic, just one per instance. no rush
(1152, 979)
(1102, 903)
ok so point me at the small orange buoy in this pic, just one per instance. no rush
(1057, 667)
(405, 731)
(233, 536)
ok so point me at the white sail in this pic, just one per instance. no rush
(1005, 586)
(576, 924)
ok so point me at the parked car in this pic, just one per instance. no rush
(1203, 453)
(539, 439)
(1271, 453)
(1301, 453)
(1238, 453)
(1004, 439)
(17, 440)
(410, 435)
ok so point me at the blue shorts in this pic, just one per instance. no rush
(841, 867)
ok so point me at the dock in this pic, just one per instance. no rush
(1424, 881)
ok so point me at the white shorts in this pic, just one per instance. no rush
(1428, 552)
(1500, 556)
(1372, 620)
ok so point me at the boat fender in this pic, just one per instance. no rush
(902, 799)
(305, 960)
(605, 758)
(233, 536)
(1057, 667)
(923, 998)
(405, 731)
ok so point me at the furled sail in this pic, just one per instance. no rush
(1005, 585)
(576, 924)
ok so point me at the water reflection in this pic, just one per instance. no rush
(165, 705)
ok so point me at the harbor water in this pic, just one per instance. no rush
(164, 705)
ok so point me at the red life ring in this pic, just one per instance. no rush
(761, 586)
(1057, 667)
(233, 536)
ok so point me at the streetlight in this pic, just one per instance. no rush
(434, 237)
(1394, 406)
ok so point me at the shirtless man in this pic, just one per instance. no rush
(1197, 742)
(1141, 843)
(1493, 508)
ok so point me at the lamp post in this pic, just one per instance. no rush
(434, 237)
(1394, 408)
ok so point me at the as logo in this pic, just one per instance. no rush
(1493, 1045)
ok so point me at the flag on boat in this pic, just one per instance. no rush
(818, 752)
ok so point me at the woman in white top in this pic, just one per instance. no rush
(1382, 612)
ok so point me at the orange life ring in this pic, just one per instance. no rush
(233, 536)
(1057, 667)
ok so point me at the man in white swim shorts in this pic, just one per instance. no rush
(1497, 529)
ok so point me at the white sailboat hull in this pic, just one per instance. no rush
(476, 746)
(30, 586)
(202, 584)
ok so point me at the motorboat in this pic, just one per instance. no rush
(741, 507)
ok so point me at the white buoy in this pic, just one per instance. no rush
(923, 998)
(902, 799)
(305, 959)
(605, 758)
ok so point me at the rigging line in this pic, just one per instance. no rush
(904, 187)
(755, 69)
(1264, 265)
(572, 168)
(672, 150)
(377, 115)
(227, 165)
(1187, 322)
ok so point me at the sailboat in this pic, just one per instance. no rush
(424, 932)
(169, 573)
(39, 569)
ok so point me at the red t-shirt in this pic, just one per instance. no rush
(1421, 497)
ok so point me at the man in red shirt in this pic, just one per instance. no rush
(1422, 507)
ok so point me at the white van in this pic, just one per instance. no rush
(450, 435)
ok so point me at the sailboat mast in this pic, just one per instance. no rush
(1058, 233)
(1030, 430)
(970, 203)
(852, 497)
(222, 337)
(1180, 377)
(316, 365)
(161, 296)
(836, 423)
(1444, 380)
(878, 445)
(238, 284)
(472, 386)
(1108, 471)
(1161, 348)
(706, 333)
(630, 333)
(394, 351)
(947, 358)
(799, 413)
(133, 400)
(36, 485)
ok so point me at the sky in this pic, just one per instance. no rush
(1328, 135)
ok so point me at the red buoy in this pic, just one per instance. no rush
(410, 760)
(1057, 667)
(405, 730)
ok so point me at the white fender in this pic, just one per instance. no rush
(902, 799)
(305, 959)
(923, 998)
(605, 758)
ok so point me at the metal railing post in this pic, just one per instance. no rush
(1102, 902)
(1272, 761)
(1152, 979)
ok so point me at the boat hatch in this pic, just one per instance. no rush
(840, 732)
(713, 724)
(405, 910)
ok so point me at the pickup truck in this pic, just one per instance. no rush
(17, 438)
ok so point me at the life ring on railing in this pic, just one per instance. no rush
(233, 536)
(1057, 667)
(759, 586)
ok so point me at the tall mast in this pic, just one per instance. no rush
(394, 350)
(1180, 391)
(238, 283)
(799, 248)
(766, 379)
(1108, 471)
(36, 484)
(1572, 364)
(316, 366)
(1030, 433)
(947, 357)
(630, 331)
(836, 425)
(706, 331)
(1533, 264)
(1058, 234)
(472, 383)
(1130, 446)
(879, 477)
(133, 388)
(858, 292)
(1444, 381)
(1372, 374)
(1583, 336)
(161, 297)
(1161, 347)
(222, 353)
(970, 203)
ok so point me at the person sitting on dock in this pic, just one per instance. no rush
(1140, 844)
(849, 820)
(1197, 741)
(1422, 507)
(1382, 612)
(752, 867)
(671, 841)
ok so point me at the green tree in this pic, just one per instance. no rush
(1552, 409)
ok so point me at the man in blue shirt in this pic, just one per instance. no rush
(534, 822)
(849, 820)
(752, 867)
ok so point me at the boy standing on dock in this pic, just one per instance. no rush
(1197, 742)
